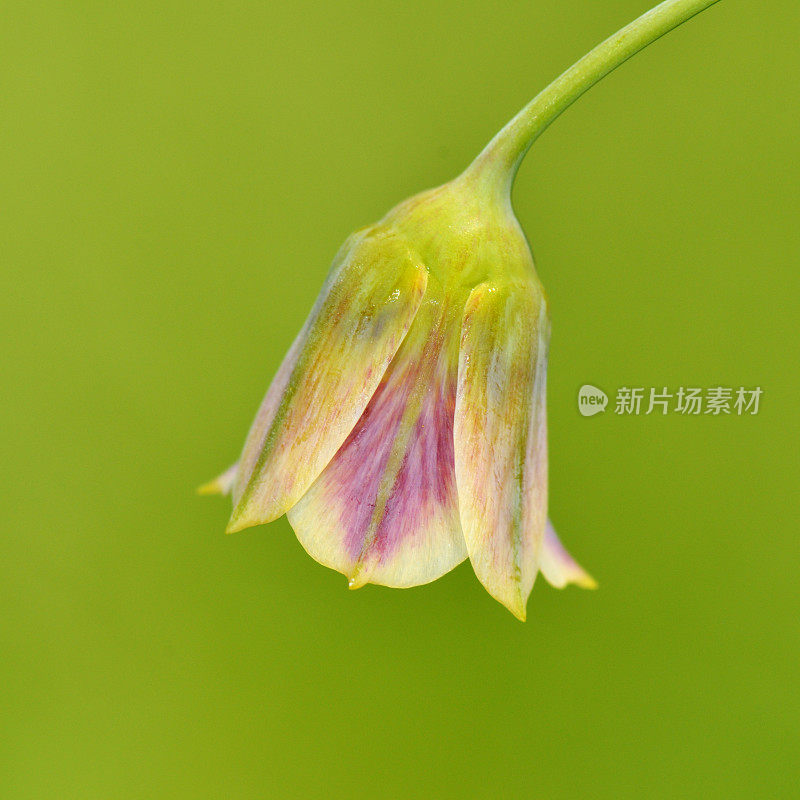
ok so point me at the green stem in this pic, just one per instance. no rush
(497, 164)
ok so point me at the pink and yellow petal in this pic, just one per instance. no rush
(501, 438)
(365, 309)
(385, 509)
(558, 566)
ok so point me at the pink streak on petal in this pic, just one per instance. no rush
(426, 480)
(385, 509)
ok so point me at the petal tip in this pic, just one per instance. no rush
(222, 484)
(586, 581)
(559, 568)
(253, 510)
(510, 596)
(238, 522)
(212, 487)
(357, 579)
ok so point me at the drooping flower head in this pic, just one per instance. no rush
(405, 430)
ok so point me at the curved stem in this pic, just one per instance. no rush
(497, 164)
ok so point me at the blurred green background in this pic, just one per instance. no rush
(175, 180)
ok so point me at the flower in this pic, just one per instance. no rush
(405, 430)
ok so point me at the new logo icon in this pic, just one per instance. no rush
(591, 400)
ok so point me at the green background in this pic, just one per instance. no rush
(175, 178)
